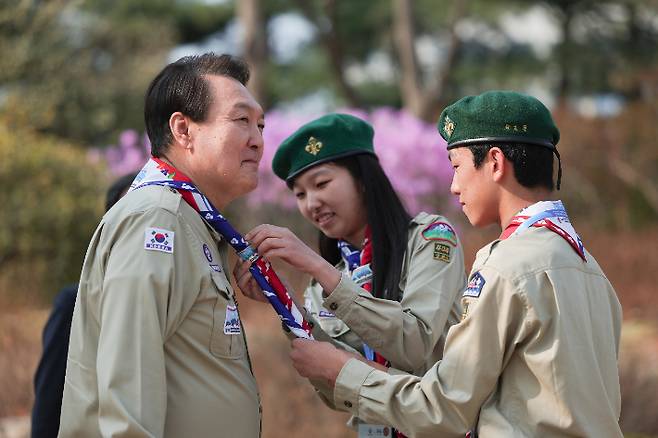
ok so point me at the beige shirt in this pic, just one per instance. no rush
(157, 349)
(535, 355)
(410, 333)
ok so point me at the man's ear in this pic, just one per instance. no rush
(179, 126)
(499, 164)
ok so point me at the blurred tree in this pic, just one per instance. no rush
(79, 70)
(54, 199)
(255, 47)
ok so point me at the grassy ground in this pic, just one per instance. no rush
(290, 407)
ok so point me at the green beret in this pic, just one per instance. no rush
(325, 139)
(498, 117)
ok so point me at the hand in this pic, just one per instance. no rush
(246, 282)
(271, 241)
(318, 360)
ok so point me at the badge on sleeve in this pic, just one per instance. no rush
(475, 285)
(232, 322)
(158, 239)
(442, 252)
(440, 231)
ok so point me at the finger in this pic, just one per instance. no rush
(259, 231)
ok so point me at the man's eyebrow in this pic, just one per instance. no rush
(246, 106)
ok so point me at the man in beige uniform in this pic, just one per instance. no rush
(157, 348)
(536, 351)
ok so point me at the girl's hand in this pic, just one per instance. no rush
(271, 241)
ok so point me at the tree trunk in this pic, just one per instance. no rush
(331, 42)
(421, 100)
(254, 46)
(404, 36)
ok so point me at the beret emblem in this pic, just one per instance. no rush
(448, 126)
(313, 146)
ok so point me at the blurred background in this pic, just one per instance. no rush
(72, 79)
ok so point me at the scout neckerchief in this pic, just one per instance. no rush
(157, 172)
(549, 214)
(358, 263)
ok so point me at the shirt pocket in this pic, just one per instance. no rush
(333, 326)
(225, 341)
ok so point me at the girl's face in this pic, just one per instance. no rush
(329, 197)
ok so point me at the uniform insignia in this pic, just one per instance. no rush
(362, 275)
(313, 146)
(232, 321)
(207, 253)
(465, 311)
(442, 252)
(158, 239)
(215, 268)
(440, 231)
(448, 126)
(326, 314)
(475, 285)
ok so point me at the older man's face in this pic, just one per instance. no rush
(228, 145)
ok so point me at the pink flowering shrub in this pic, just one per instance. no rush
(411, 151)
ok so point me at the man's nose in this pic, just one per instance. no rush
(256, 140)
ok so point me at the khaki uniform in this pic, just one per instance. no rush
(535, 355)
(157, 349)
(410, 333)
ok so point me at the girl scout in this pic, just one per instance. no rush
(385, 285)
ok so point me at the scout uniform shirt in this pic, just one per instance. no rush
(409, 333)
(157, 347)
(535, 354)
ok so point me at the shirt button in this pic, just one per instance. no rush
(348, 403)
(333, 306)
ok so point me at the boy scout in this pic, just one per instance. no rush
(536, 351)
(157, 348)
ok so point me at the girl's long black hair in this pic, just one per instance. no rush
(388, 220)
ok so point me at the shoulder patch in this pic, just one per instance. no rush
(158, 239)
(440, 231)
(475, 285)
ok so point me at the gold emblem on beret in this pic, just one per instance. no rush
(448, 126)
(313, 146)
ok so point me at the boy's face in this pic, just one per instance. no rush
(476, 188)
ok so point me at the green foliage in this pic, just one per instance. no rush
(52, 198)
(73, 73)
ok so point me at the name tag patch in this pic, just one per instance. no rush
(441, 252)
(326, 314)
(158, 239)
(374, 430)
(232, 322)
(475, 285)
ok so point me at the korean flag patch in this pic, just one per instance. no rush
(474, 286)
(158, 239)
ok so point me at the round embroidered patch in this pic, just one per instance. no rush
(207, 252)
